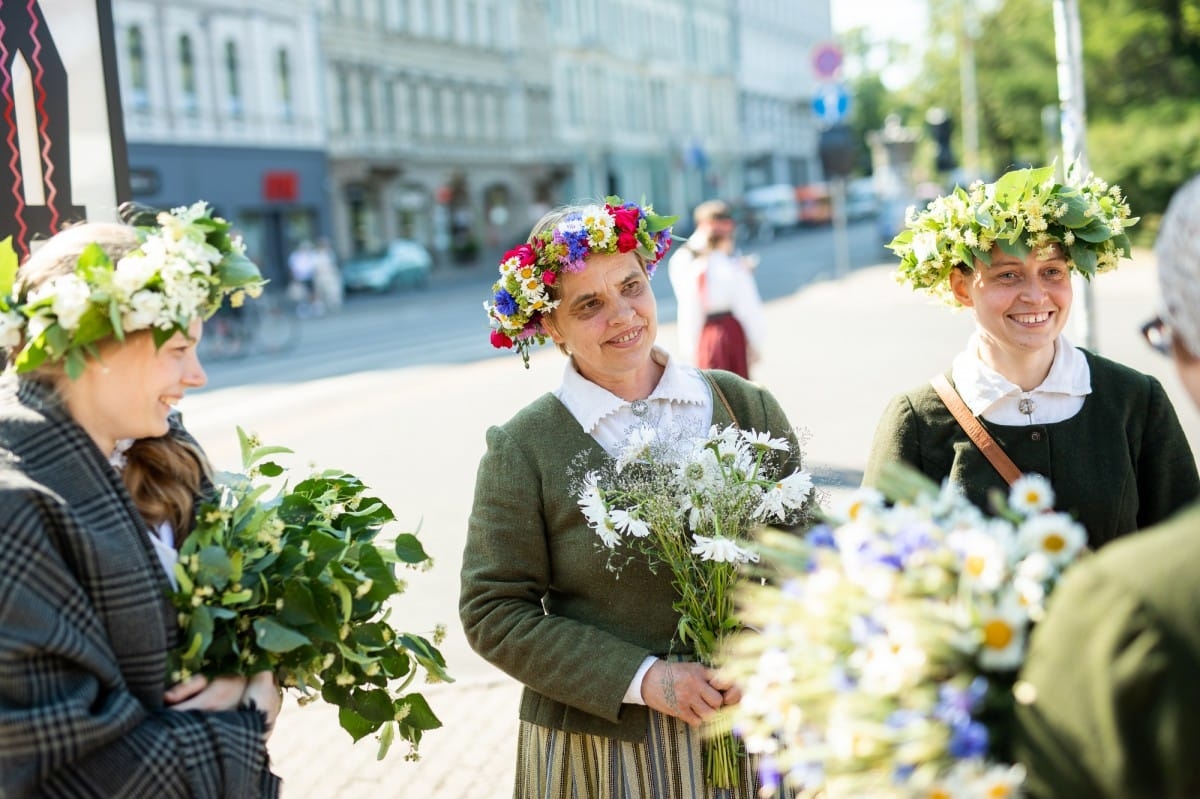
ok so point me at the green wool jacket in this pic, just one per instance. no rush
(1122, 463)
(537, 599)
(1115, 711)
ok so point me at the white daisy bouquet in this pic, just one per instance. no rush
(294, 579)
(690, 506)
(888, 641)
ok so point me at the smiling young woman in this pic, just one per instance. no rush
(100, 328)
(1108, 704)
(1021, 308)
(1105, 435)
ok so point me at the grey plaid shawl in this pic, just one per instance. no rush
(85, 627)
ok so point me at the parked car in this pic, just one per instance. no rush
(405, 263)
(773, 207)
(861, 200)
(816, 204)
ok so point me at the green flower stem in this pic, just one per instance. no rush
(722, 755)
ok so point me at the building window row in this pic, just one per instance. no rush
(185, 83)
(642, 104)
(371, 103)
(469, 22)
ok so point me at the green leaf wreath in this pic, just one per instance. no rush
(297, 583)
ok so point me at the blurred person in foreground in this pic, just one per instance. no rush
(719, 317)
(101, 328)
(1108, 705)
(1105, 436)
(603, 714)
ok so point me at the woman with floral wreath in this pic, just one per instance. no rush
(1108, 705)
(1105, 435)
(100, 327)
(604, 713)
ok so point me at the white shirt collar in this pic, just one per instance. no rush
(982, 386)
(589, 403)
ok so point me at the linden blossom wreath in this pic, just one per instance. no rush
(1024, 211)
(186, 264)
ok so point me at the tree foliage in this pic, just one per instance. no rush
(1141, 62)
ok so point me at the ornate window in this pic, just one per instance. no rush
(233, 81)
(139, 96)
(283, 74)
(187, 75)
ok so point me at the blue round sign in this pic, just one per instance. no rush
(831, 103)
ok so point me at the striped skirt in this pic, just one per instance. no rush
(668, 764)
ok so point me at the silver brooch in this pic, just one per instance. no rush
(1026, 406)
(639, 408)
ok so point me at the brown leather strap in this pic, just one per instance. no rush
(721, 396)
(975, 430)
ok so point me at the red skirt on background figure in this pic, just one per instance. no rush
(723, 345)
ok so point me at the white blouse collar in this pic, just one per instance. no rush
(981, 386)
(589, 403)
(118, 458)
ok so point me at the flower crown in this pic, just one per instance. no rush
(521, 297)
(1024, 211)
(181, 271)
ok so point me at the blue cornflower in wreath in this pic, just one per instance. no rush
(560, 242)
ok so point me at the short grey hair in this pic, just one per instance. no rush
(1177, 250)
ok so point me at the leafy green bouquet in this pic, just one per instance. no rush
(297, 584)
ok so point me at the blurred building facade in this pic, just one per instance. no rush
(439, 116)
(645, 98)
(458, 122)
(777, 82)
(222, 102)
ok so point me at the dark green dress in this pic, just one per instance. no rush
(1115, 669)
(538, 602)
(1122, 463)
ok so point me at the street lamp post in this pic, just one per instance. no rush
(970, 92)
(1068, 45)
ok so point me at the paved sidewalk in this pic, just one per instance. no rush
(838, 350)
(472, 755)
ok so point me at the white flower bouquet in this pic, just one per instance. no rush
(691, 506)
(888, 640)
(297, 583)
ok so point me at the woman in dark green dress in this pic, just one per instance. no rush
(1105, 435)
(1109, 703)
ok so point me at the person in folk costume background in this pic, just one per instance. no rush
(603, 713)
(86, 625)
(1105, 435)
(719, 317)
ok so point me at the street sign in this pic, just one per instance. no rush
(831, 103)
(827, 60)
(66, 154)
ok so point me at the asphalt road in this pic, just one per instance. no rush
(444, 323)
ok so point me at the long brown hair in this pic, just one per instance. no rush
(164, 476)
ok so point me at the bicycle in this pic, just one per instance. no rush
(268, 325)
